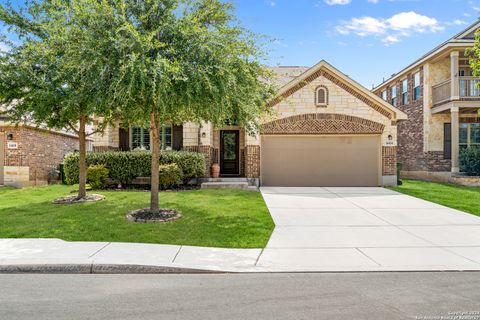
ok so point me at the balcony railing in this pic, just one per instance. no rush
(441, 92)
(468, 90)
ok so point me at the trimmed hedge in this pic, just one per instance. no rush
(470, 161)
(97, 176)
(170, 175)
(125, 166)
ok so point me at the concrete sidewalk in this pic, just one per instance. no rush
(102, 257)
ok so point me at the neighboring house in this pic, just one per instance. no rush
(328, 130)
(28, 154)
(441, 99)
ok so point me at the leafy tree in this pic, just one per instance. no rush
(58, 73)
(474, 55)
(187, 61)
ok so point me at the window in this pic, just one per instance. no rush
(394, 96)
(405, 92)
(416, 89)
(141, 138)
(469, 135)
(384, 95)
(321, 96)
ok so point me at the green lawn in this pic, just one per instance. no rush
(458, 197)
(217, 218)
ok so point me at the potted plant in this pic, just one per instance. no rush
(215, 170)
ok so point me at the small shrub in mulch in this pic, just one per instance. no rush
(147, 216)
(74, 199)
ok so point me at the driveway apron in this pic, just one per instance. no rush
(366, 229)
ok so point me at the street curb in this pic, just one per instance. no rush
(97, 269)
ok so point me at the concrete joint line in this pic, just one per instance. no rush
(99, 250)
(176, 254)
(368, 257)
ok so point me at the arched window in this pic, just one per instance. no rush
(321, 96)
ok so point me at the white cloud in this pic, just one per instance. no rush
(373, 1)
(4, 47)
(337, 2)
(392, 29)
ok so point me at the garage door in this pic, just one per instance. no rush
(318, 161)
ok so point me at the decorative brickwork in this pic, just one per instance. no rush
(389, 161)
(39, 150)
(252, 161)
(323, 72)
(322, 123)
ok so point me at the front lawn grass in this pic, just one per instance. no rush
(214, 218)
(466, 199)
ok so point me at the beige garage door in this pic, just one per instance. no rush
(319, 161)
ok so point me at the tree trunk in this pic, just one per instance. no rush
(82, 177)
(155, 147)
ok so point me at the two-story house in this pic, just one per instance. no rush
(442, 100)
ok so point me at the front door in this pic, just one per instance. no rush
(229, 152)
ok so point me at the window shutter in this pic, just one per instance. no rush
(124, 139)
(447, 141)
(177, 143)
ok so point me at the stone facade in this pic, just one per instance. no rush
(37, 153)
(351, 110)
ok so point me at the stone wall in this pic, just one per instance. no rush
(39, 151)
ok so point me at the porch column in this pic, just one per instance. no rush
(454, 81)
(455, 139)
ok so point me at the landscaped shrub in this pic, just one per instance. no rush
(170, 175)
(125, 166)
(470, 161)
(97, 176)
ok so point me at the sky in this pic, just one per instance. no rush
(366, 39)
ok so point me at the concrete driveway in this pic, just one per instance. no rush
(366, 229)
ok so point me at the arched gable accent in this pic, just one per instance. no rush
(322, 123)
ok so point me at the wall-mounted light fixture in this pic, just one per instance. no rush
(390, 137)
(10, 136)
(204, 135)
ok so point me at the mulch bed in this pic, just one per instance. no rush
(146, 216)
(74, 199)
(146, 188)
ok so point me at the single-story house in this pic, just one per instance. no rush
(328, 130)
(28, 154)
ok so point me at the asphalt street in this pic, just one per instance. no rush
(451, 295)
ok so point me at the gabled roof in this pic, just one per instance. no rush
(461, 39)
(323, 68)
